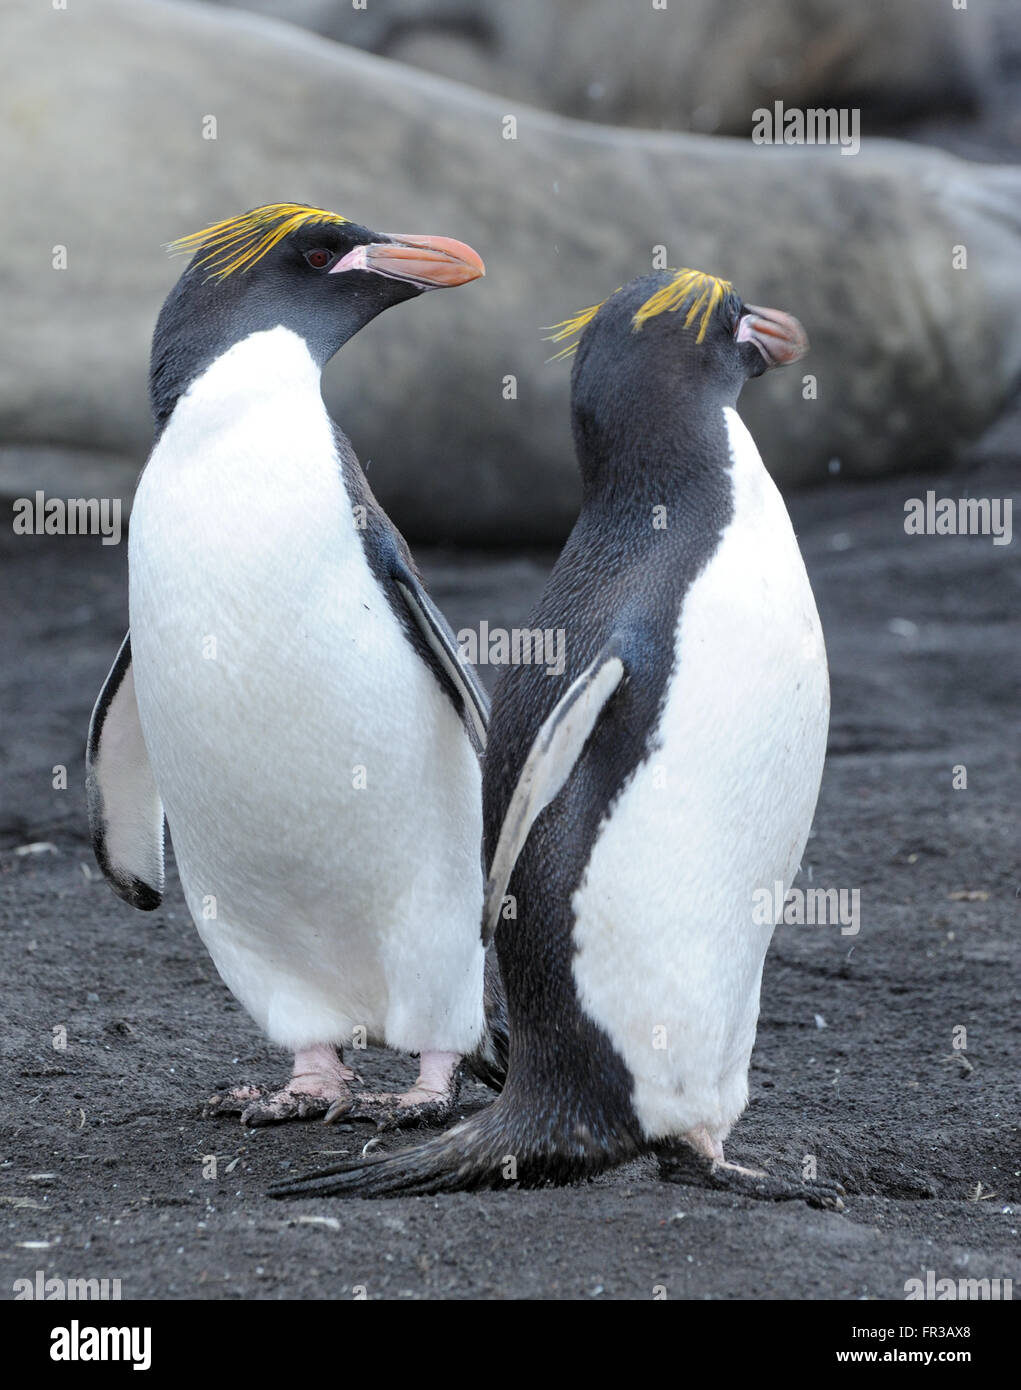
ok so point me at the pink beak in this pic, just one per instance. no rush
(432, 262)
(778, 336)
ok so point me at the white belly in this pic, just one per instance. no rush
(670, 946)
(324, 801)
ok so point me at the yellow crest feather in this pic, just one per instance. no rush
(237, 243)
(706, 292)
(571, 328)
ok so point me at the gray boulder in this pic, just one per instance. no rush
(701, 65)
(450, 399)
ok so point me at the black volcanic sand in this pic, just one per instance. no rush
(104, 1144)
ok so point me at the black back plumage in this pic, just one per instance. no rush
(617, 577)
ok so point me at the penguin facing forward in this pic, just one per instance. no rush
(634, 808)
(288, 696)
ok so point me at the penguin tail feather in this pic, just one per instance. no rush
(465, 1157)
(481, 1152)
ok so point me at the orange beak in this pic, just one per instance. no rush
(431, 262)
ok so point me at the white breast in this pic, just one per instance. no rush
(670, 954)
(324, 802)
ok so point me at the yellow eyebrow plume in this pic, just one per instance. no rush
(238, 242)
(571, 328)
(705, 292)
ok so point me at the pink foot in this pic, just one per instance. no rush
(319, 1079)
(696, 1160)
(430, 1101)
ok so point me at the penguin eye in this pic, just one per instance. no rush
(319, 257)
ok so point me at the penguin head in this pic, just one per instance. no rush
(694, 325)
(673, 346)
(302, 268)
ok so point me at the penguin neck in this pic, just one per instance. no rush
(252, 433)
(270, 362)
(638, 454)
(265, 341)
(271, 369)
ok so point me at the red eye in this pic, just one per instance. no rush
(319, 258)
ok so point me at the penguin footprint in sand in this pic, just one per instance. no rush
(633, 809)
(289, 696)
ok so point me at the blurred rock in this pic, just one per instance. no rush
(701, 65)
(107, 103)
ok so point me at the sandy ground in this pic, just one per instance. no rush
(105, 1167)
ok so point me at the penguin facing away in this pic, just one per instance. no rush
(633, 807)
(288, 696)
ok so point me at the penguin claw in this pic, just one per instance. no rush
(232, 1102)
(392, 1111)
(258, 1109)
(285, 1105)
(318, 1083)
(429, 1102)
(696, 1170)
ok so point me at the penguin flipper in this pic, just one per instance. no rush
(391, 562)
(557, 747)
(125, 810)
(439, 637)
